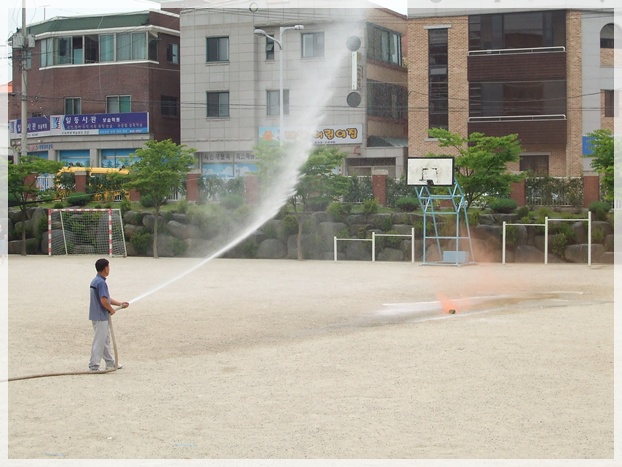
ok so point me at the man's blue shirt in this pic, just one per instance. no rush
(99, 289)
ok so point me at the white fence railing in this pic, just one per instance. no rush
(373, 243)
(546, 236)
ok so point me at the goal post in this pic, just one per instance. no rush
(75, 231)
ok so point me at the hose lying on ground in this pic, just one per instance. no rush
(71, 373)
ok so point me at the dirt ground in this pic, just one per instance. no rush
(270, 359)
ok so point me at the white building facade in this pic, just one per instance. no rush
(343, 81)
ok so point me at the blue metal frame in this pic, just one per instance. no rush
(459, 204)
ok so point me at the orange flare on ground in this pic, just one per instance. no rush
(446, 304)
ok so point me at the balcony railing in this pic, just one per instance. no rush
(517, 118)
(517, 51)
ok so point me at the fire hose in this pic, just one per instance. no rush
(71, 373)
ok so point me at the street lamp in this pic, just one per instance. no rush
(282, 29)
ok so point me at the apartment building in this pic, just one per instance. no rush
(98, 87)
(546, 75)
(236, 62)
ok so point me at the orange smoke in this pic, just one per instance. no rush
(447, 304)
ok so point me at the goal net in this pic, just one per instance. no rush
(86, 232)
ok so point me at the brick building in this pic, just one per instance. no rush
(98, 86)
(544, 74)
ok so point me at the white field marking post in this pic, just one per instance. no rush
(589, 235)
(335, 239)
(504, 235)
(546, 240)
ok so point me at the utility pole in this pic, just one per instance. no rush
(25, 42)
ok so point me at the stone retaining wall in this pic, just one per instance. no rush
(179, 237)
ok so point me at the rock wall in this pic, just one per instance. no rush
(178, 236)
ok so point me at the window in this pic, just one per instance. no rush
(217, 104)
(386, 100)
(124, 47)
(538, 164)
(607, 36)
(73, 106)
(139, 46)
(77, 50)
(172, 53)
(131, 46)
(494, 99)
(610, 109)
(312, 44)
(94, 48)
(384, 45)
(270, 48)
(47, 53)
(169, 106)
(217, 49)
(438, 79)
(273, 102)
(91, 49)
(517, 30)
(118, 104)
(152, 48)
(63, 56)
(106, 48)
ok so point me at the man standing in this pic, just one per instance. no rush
(100, 310)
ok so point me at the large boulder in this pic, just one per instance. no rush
(602, 225)
(381, 220)
(579, 253)
(149, 222)
(308, 248)
(168, 246)
(199, 248)
(489, 233)
(487, 252)
(356, 250)
(132, 229)
(133, 217)
(39, 221)
(271, 248)
(528, 254)
(183, 231)
(327, 232)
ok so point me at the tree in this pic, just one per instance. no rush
(602, 144)
(22, 185)
(318, 182)
(157, 169)
(481, 164)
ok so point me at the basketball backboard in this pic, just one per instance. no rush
(430, 171)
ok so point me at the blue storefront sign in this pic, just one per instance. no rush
(83, 124)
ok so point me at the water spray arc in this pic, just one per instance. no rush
(282, 187)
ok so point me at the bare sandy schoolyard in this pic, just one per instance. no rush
(260, 359)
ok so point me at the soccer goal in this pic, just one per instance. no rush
(76, 231)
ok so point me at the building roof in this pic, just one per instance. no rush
(93, 22)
